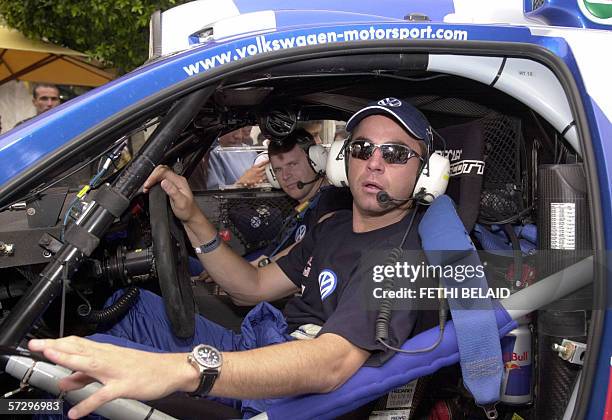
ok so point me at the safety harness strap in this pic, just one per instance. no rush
(291, 223)
(473, 317)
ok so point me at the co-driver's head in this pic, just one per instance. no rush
(290, 163)
(386, 152)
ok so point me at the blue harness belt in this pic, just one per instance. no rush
(446, 243)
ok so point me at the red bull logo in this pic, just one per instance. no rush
(516, 354)
(515, 357)
(510, 366)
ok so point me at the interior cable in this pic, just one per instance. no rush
(384, 312)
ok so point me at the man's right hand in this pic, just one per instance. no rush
(181, 198)
(254, 175)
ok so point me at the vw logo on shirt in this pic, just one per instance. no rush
(300, 232)
(255, 222)
(327, 283)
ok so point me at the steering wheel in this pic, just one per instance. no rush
(172, 262)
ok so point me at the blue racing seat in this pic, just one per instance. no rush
(370, 383)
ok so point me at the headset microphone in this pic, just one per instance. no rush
(301, 184)
(384, 198)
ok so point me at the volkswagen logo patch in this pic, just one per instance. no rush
(327, 283)
(391, 102)
(300, 232)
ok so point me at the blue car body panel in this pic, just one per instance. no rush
(436, 10)
(27, 144)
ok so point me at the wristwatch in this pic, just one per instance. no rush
(207, 360)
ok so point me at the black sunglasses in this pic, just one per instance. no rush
(392, 153)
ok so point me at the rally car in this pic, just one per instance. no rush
(518, 95)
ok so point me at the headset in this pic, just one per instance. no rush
(431, 182)
(315, 153)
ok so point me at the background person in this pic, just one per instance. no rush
(314, 127)
(291, 163)
(220, 168)
(45, 96)
(303, 180)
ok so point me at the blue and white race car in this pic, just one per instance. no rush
(519, 91)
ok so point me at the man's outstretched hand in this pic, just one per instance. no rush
(124, 373)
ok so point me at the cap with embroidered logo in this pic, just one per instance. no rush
(402, 111)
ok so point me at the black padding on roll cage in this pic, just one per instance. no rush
(83, 240)
(112, 200)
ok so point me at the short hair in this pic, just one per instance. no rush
(299, 137)
(47, 85)
(341, 132)
(304, 124)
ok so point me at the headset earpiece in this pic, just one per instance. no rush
(271, 176)
(433, 179)
(337, 163)
(317, 158)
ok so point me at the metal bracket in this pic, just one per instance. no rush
(572, 351)
(24, 383)
(7, 249)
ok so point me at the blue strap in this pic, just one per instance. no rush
(291, 224)
(496, 241)
(446, 243)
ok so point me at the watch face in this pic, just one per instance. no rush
(208, 356)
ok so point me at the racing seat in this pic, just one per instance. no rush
(369, 383)
(464, 146)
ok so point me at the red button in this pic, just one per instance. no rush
(225, 235)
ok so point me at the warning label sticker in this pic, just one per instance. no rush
(563, 226)
(402, 397)
(391, 415)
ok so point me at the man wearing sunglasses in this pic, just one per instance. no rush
(385, 154)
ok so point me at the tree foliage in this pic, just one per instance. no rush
(115, 32)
